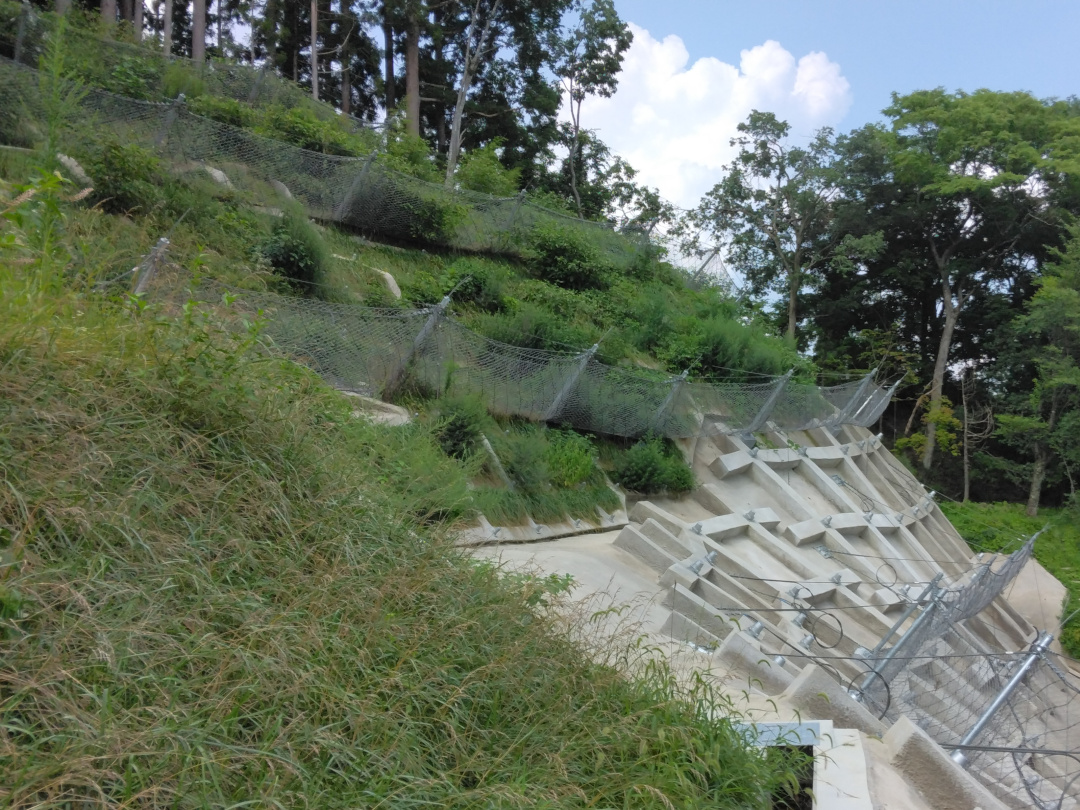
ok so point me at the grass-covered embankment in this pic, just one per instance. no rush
(220, 588)
(993, 526)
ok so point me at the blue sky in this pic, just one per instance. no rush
(697, 67)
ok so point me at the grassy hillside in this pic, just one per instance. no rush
(220, 587)
(992, 526)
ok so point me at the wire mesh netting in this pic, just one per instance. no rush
(945, 674)
(372, 351)
(359, 192)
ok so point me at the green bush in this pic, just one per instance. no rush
(523, 452)
(653, 466)
(126, 177)
(569, 458)
(295, 249)
(481, 170)
(564, 255)
(460, 425)
(179, 78)
(225, 110)
(482, 283)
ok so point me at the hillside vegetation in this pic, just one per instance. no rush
(221, 587)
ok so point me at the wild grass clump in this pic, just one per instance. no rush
(220, 587)
(296, 250)
(652, 466)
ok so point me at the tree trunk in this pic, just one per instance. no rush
(1038, 475)
(127, 10)
(793, 298)
(937, 385)
(315, 49)
(388, 64)
(967, 433)
(346, 88)
(573, 170)
(455, 129)
(198, 32)
(166, 29)
(412, 76)
(108, 11)
(62, 6)
(137, 20)
(220, 16)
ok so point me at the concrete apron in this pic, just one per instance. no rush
(674, 564)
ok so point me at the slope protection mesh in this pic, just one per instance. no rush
(361, 193)
(370, 350)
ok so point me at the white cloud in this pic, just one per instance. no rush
(673, 120)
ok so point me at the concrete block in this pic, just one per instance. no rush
(809, 531)
(782, 459)
(712, 498)
(679, 574)
(731, 464)
(825, 457)
(683, 628)
(643, 510)
(840, 778)
(718, 528)
(764, 516)
(632, 540)
(816, 695)
(884, 598)
(704, 615)
(849, 523)
(742, 656)
(928, 767)
(665, 539)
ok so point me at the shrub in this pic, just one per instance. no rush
(225, 110)
(481, 170)
(483, 283)
(565, 256)
(295, 249)
(652, 466)
(461, 424)
(569, 458)
(179, 78)
(126, 177)
(433, 218)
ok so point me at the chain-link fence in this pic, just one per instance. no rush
(1012, 719)
(376, 351)
(360, 192)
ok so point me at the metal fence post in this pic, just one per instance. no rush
(394, 379)
(149, 265)
(170, 118)
(1036, 651)
(902, 642)
(559, 402)
(762, 415)
(853, 406)
(342, 207)
(930, 586)
(257, 87)
(661, 412)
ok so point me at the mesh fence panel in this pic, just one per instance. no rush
(368, 350)
(945, 673)
(358, 192)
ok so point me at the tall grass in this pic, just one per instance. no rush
(221, 589)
